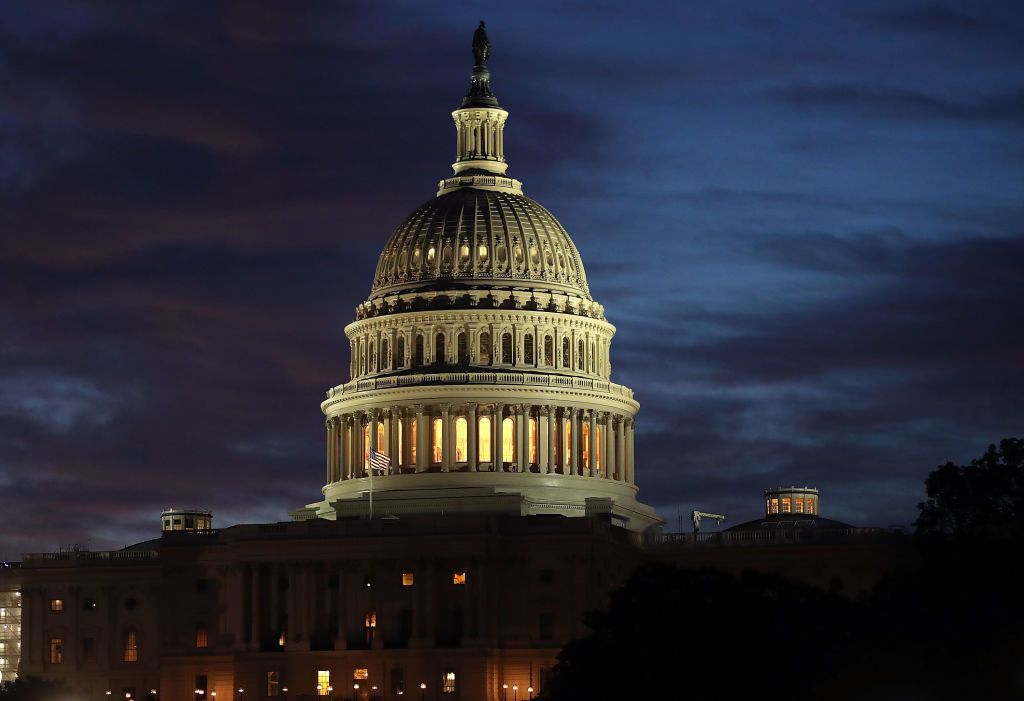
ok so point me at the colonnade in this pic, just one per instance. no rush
(544, 439)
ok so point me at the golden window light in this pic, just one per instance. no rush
(459, 578)
(407, 579)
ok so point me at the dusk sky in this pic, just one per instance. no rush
(805, 220)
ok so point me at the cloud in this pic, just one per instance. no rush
(923, 18)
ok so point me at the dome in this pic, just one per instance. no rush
(474, 237)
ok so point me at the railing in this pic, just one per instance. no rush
(106, 555)
(753, 537)
(486, 378)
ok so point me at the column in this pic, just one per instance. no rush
(496, 428)
(609, 447)
(396, 423)
(446, 438)
(407, 419)
(387, 448)
(593, 444)
(422, 459)
(630, 465)
(544, 440)
(329, 424)
(350, 447)
(374, 423)
(620, 448)
(472, 430)
(522, 438)
(577, 440)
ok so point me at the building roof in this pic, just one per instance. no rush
(791, 522)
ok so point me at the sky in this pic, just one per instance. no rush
(805, 220)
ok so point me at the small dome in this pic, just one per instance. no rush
(473, 237)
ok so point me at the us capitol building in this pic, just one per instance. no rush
(480, 494)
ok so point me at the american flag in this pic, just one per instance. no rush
(379, 462)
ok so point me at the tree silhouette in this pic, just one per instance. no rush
(33, 689)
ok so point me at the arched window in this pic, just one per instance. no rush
(549, 351)
(385, 355)
(461, 426)
(463, 349)
(506, 349)
(528, 349)
(362, 358)
(400, 352)
(381, 445)
(533, 440)
(508, 440)
(373, 355)
(131, 647)
(591, 365)
(565, 353)
(580, 356)
(484, 439)
(202, 636)
(418, 353)
(485, 348)
(439, 358)
(438, 440)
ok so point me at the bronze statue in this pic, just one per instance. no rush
(481, 46)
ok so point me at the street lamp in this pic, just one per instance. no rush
(529, 689)
(515, 692)
(374, 696)
(423, 690)
(213, 696)
(241, 694)
(504, 692)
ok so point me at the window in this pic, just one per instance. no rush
(56, 650)
(407, 579)
(484, 439)
(463, 254)
(481, 253)
(400, 351)
(360, 673)
(533, 440)
(547, 626)
(56, 604)
(202, 637)
(785, 505)
(412, 440)
(809, 505)
(273, 683)
(508, 440)
(131, 647)
(567, 442)
(461, 429)
(385, 354)
(546, 576)
(448, 682)
(397, 681)
(528, 349)
(88, 649)
(418, 352)
(507, 356)
(585, 454)
(549, 351)
(405, 625)
(485, 348)
(439, 349)
(430, 255)
(130, 604)
(775, 506)
(579, 355)
(436, 446)
(370, 625)
(323, 680)
(202, 585)
(565, 352)
(282, 583)
(798, 506)
(463, 349)
(459, 578)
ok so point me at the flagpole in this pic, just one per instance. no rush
(371, 490)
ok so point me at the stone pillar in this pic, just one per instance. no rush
(497, 454)
(386, 448)
(407, 419)
(522, 438)
(630, 465)
(422, 459)
(446, 438)
(545, 439)
(620, 448)
(577, 440)
(609, 446)
(592, 466)
(396, 423)
(374, 423)
(330, 450)
(473, 429)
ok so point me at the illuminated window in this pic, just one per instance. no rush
(484, 439)
(56, 650)
(400, 453)
(407, 579)
(585, 456)
(461, 429)
(438, 436)
(481, 253)
(485, 348)
(381, 445)
(56, 604)
(430, 255)
(463, 254)
(202, 637)
(599, 448)
(809, 505)
(366, 447)
(785, 505)
(370, 625)
(458, 578)
(360, 673)
(273, 684)
(528, 349)
(567, 442)
(323, 680)
(798, 506)
(508, 440)
(448, 683)
(131, 647)
(533, 439)
(775, 506)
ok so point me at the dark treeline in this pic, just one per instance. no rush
(948, 626)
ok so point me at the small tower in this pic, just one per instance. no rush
(791, 500)
(480, 122)
(186, 520)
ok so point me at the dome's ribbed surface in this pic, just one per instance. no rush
(473, 237)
